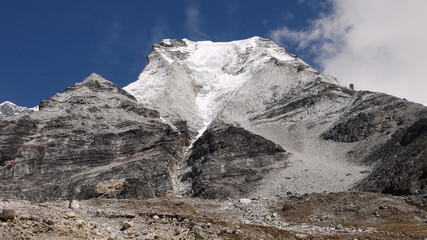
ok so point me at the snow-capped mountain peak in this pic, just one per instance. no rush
(193, 80)
(230, 56)
(8, 109)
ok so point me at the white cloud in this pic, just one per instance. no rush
(193, 23)
(287, 15)
(378, 45)
(107, 56)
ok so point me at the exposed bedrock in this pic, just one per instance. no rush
(230, 161)
(93, 140)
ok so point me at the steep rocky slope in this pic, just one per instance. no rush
(333, 131)
(229, 161)
(92, 140)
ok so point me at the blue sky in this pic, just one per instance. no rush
(48, 45)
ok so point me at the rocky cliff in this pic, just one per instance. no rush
(229, 161)
(93, 140)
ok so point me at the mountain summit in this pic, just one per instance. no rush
(193, 81)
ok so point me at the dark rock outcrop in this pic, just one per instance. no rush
(93, 140)
(7, 214)
(391, 134)
(369, 114)
(402, 168)
(228, 161)
(374, 129)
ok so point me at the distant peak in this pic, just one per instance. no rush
(95, 81)
(8, 109)
(92, 86)
(8, 103)
(94, 76)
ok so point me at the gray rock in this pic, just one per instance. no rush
(229, 161)
(69, 215)
(302, 236)
(125, 225)
(49, 221)
(7, 214)
(245, 201)
(402, 167)
(74, 204)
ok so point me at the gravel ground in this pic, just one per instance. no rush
(308, 216)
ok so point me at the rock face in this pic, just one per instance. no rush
(228, 161)
(402, 168)
(93, 140)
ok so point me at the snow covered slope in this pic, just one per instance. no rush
(193, 81)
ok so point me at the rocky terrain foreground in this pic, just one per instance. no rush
(346, 215)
